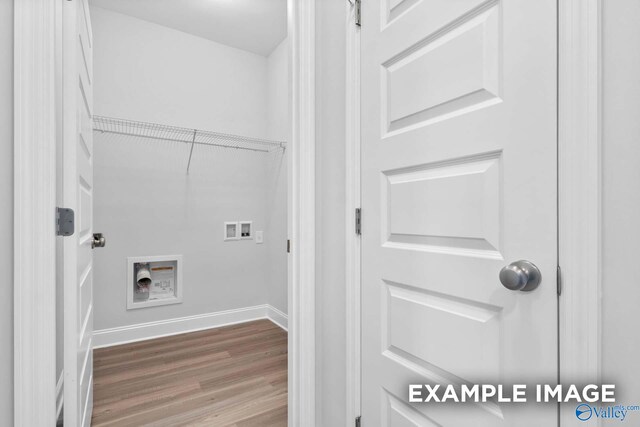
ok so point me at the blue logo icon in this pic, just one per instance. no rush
(584, 412)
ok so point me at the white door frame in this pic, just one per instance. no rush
(35, 203)
(352, 202)
(579, 194)
(34, 214)
(579, 200)
(302, 195)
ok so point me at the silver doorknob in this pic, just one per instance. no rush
(520, 276)
(98, 241)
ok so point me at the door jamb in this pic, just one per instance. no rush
(34, 247)
(302, 229)
(35, 202)
(352, 202)
(579, 194)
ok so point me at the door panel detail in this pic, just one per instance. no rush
(453, 206)
(473, 358)
(451, 72)
(395, 8)
(399, 414)
(78, 192)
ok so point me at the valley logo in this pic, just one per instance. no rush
(585, 412)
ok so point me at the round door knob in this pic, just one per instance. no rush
(520, 276)
(98, 241)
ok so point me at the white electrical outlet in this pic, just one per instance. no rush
(259, 237)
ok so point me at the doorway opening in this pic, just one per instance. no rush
(180, 164)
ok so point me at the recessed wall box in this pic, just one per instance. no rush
(231, 231)
(246, 229)
(154, 281)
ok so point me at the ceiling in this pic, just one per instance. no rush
(257, 26)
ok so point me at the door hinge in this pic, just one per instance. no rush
(358, 221)
(357, 10)
(358, 421)
(288, 246)
(65, 221)
(559, 281)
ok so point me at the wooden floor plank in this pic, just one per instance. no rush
(232, 376)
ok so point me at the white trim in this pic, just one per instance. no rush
(352, 199)
(181, 325)
(34, 213)
(59, 395)
(278, 317)
(579, 194)
(302, 360)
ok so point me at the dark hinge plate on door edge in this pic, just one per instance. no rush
(358, 221)
(559, 281)
(357, 11)
(358, 421)
(65, 221)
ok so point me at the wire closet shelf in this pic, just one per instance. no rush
(189, 136)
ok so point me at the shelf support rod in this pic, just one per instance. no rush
(193, 143)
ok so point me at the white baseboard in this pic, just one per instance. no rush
(59, 395)
(181, 325)
(278, 317)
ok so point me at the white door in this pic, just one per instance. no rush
(77, 173)
(458, 181)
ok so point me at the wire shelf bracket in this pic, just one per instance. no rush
(189, 136)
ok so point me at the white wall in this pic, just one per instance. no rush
(145, 204)
(621, 198)
(155, 74)
(276, 196)
(6, 213)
